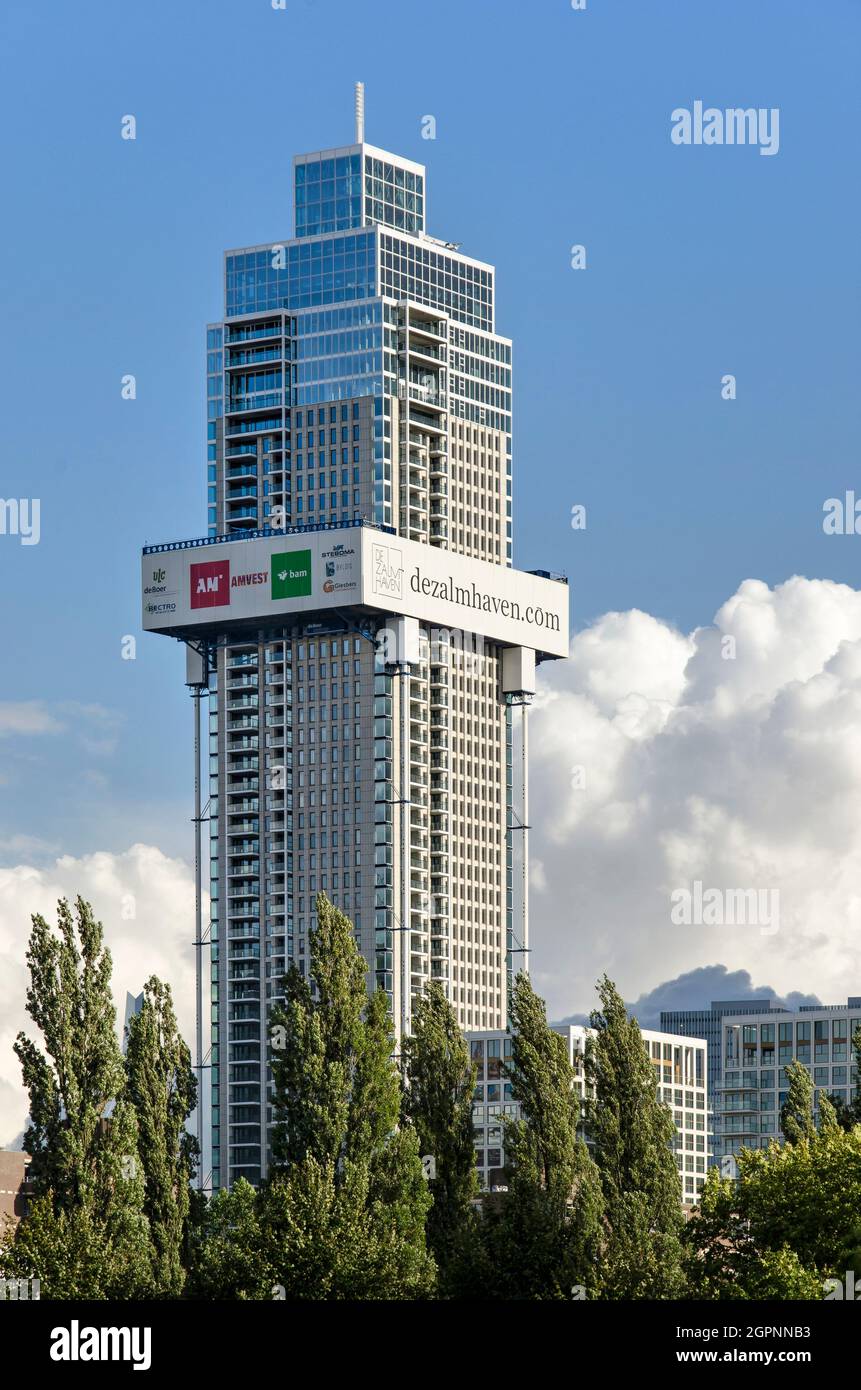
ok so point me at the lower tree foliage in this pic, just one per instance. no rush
(792, 1220)
(591, 1206)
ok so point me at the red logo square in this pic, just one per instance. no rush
(210, 584)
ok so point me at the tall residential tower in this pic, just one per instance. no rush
(357, 385)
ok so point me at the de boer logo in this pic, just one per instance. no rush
(291, 574)
(210, 584)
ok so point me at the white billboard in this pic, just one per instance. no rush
(209, 586)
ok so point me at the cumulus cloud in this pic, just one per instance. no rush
(145, 902)
(729, 756)
(696, 989)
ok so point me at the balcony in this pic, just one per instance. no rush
(244, 847)
(262, 400)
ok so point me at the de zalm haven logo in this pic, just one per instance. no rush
(291, 574)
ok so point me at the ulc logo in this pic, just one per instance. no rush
(210, 584)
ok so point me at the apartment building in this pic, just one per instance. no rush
(681, 1069)
(359, 413)
(752, 1043)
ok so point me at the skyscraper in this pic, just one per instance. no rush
(357, 381)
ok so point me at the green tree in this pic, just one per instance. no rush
(631, 1133)
(227, 1242)
(340, 1141)
(87, 1235)
(541, 1239)
(439, 1079)
(796, 1112)
(791, 1220)
(162, 1087)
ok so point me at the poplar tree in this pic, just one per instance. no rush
(796, 1112)
(162, 1087)
(87, 1234)
(439, 1079)
(348, 1203)
(630, 1133)
(541, 1239)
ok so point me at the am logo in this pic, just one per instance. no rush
(210, 584)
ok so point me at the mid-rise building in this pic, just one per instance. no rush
(751, 1044)
(681, 1068)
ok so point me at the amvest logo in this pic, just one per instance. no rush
(239, 581)
(291, 574)
(210, 584)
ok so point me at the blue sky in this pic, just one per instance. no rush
(553, 128)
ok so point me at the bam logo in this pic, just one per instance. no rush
(388, 577)
(210, 584)
(291, 574)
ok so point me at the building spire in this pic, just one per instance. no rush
(360, 113)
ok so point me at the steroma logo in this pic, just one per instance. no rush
(210, 584)
(291, 574)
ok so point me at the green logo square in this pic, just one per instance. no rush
(291, 574)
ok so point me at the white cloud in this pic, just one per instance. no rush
(155, 941)
(742, 773)
(26, 844)
(25, 717)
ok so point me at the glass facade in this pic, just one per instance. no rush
(327, 194)
(430, 275)
(394, 196)
(297, 275)
(339, 353)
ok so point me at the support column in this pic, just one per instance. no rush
(197, 663)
